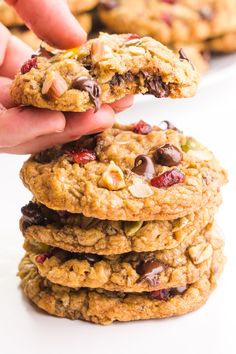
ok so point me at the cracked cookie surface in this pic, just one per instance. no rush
(170, 21)
(77, 233)
(106, 307)
(131, 272)
(103, 70)
(135, 172)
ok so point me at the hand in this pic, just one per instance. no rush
(25, 130)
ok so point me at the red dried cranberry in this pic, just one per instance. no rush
(83, 156)
(41, 258)
(167, 18)
(142, 128)
(168, 178)
(163, 294)
(170, 1)
(130, 36)
(28, 65)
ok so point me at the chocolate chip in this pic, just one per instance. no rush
(32, 215)
(166, 294)
(118, 79)
(48, 155)
(88, 223)
(168, 155)
(84, 83)
(155, 85)
(150, 271)
(144, 166)
(183, 56)
(108, 4)
(206, 55)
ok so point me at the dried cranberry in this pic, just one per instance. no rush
(167, 18)
(28, 65)
(168, 178)
(150, 271)
(168, 155)
(142, 128)
(83, 156)
(41, 258)
(130, 36)
(163, 294)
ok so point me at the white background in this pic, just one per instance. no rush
(210, 117)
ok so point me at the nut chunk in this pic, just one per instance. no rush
(103, 70)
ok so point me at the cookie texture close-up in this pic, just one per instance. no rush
(77, 233)
(103, 70)
(131, 272)
(105, 307)
(133, 173)
(169, 22)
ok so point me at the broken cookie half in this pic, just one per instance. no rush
(103, 70)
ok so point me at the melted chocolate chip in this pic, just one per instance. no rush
(150, 271)
(48, 155)
(118, 79)
(32, 215)
(155, 85)
(108, 4)
(168, 155)
(84, 83)
(144, 166)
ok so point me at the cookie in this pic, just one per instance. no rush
(104, 307)
(169, 22)
(103, 70)
(197, 53)
(223, 44)
(8, 15)
(78, 7)
(77, 233)
(133, 173)
(130, 272)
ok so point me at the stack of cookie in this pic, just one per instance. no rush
(121, 223)
(82, 10)
(200, 27)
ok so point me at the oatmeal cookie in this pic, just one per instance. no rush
(223, 44)
(105, 307)
(77, 233)
(103, 70)
(78, 7)
(133, 173)
(130, 272)
(170, 21)
(8, 15)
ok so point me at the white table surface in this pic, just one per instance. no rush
(211, 117)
